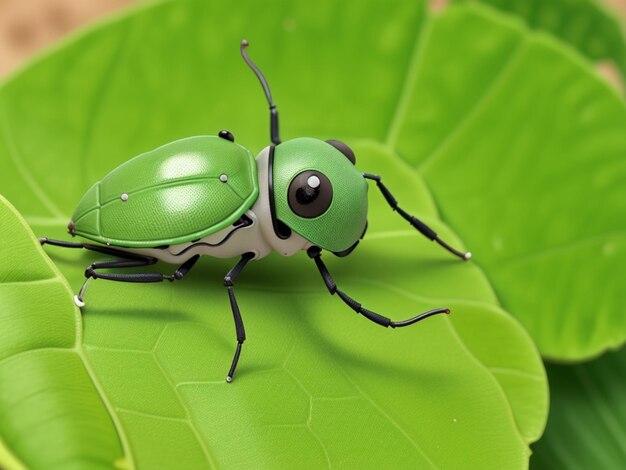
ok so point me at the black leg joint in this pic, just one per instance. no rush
(423, 228)
(387, 195)
(353, 304)
(418, 224)
(239, 328)
(376, 318)
(328, 280)
(185, 267)
(229, 279)
(370, 176)
(313, 251)
(383, 189)
(358, 308)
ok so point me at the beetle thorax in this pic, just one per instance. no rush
(262, 211)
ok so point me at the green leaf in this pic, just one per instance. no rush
(51, 414)
(523, 149)
(584, 24)
(587, 423)
(316, 384)
(161, 352)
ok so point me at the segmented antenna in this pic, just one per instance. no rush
(274, 137)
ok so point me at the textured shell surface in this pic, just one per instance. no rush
(179, 192)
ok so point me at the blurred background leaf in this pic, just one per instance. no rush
(585, 24)
(523, 149)
(587, 423)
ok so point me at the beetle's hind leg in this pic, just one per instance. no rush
(109, 250)
(64, 244)
(126, 262)
(131, 260)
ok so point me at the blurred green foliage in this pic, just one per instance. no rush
(584, 24)
(587, 415)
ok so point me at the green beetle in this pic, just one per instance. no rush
(208, 195)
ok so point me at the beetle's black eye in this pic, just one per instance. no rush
(343, 148)
(310, 194)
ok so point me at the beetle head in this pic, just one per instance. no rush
(319, 193)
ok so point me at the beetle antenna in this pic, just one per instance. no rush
(274, 137)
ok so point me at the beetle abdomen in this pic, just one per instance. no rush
(179, 192)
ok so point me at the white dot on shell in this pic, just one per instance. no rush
(313, 181)
(124, 197)
(223, 178)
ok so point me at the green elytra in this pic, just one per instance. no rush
(170, 195)
(173, 194)
(207, 195)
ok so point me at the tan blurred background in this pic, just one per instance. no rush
(27, 26)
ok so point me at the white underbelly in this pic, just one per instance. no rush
(230, 242)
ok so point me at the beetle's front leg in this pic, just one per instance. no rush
(229, 282)
(315, 253)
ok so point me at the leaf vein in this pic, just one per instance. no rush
(391, 421)
(471, 114)
(184, 405)
(98, 99)
(604, 412)
(556, 250)
(23, 169)
(407, 87)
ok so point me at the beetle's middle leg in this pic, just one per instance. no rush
(229, 282)
(131, 260)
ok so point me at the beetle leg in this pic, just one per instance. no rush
(229, 282)
(64, 244)
(315, 253)
(109, 250)
(414, 221)
(90, 272)
(132, 261)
